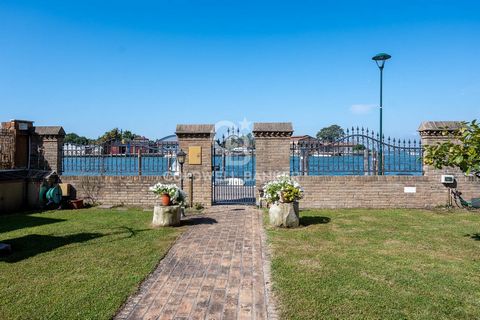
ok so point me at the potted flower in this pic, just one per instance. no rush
(172, 200)
(283, 194)
(170, 194)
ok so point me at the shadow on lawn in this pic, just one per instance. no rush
(309, 220)
(20, 221)
(474, 236)
(29, 246)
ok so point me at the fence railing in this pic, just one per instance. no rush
(356, 153)
(121, 159)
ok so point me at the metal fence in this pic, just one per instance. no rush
(115, 158)
(356, 153)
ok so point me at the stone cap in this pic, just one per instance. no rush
(195, 130)
(437, 127)
(50, 131)
(272, 129)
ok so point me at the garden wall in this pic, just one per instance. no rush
(117, 190)
(19, 190)
(381, 191)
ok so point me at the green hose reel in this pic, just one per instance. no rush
(53, 194)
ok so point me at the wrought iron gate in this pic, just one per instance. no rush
(233, 171)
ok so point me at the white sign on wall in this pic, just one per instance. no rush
(410, 190)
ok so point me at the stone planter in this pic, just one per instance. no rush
(165, 216)
(284, 215)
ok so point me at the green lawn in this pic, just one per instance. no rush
(378, 264)
(78, 264)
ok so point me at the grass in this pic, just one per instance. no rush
(378, 264)
(79, 264)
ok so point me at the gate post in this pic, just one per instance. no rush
(196, 141)
(272, 146)
(437, 132)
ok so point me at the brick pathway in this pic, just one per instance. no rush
(214, 271)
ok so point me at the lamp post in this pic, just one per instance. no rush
(181, 156)
(380, 60)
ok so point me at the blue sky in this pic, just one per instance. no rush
(147, 65)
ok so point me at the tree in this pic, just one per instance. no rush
(464, 154)
(331, 133)
(128, 135)
(76, 139)
(116, 135)
(359, 147)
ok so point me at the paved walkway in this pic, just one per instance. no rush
(214, 271)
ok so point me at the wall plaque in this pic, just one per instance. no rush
(194, 155)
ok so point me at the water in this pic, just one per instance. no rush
(118, 165)
(237, 166)
(404, 164)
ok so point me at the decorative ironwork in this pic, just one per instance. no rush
(7, 148)
(233, 169)
(121, 158)
(356, 153)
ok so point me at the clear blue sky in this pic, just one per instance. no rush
(147, 65)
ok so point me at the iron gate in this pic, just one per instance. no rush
(233, 169)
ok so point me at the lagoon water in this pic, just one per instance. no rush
(237, 166)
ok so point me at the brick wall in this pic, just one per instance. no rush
(389, 191)
(273, 157)
(132, 190)
(380, 191)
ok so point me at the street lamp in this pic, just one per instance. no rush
(181, 156)
(380, 60)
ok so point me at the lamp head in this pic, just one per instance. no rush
(181, 157)
(380, 59)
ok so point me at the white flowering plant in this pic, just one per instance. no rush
(282, 189)
(177, 195)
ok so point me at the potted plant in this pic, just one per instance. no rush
(165, 197)
(170, 194)
(283, 194)
(172, 199)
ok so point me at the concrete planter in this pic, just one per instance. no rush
(284, 215)
(165, 216)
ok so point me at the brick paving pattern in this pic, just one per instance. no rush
(214, 271)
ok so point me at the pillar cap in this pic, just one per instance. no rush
(50, 131)
(437, 128)
(272, 129)
(195, 130)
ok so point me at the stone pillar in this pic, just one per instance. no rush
(48, 148)
(16, 135)
(196, 141)
(437, 132)
(272, 147)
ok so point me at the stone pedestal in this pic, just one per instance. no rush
(284, 215)
(165, 216)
